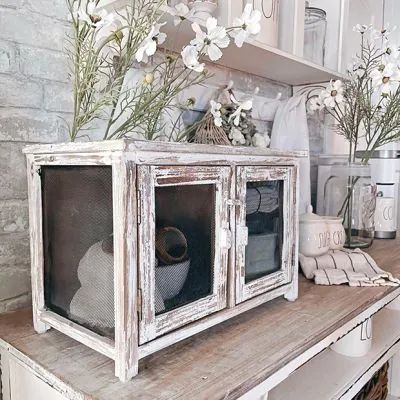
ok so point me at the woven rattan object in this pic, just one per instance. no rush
(209, 133)
(377, 387)
(171, 245)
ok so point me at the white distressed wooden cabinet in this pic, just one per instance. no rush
(106, 219)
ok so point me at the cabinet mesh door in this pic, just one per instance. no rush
(185, 226)
(264, 220)
(78, 244)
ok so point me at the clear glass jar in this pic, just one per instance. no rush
(351, 194)
(314, 35)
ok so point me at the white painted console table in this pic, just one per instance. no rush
(279, 347)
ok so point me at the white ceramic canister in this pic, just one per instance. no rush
(336, 231)
(357, 342)
(385, 218)
(314, 234)
(269, 21)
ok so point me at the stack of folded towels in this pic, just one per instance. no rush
(353, 267)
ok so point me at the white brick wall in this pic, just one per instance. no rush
(33, 97)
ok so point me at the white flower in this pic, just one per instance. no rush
(259, 140)
(90, 14)
(316, 104)
(190, 57)
(391, 54)
(357, 67)
(247, 25)
(247, 105)
(386, 78)
(236, 136)
(107, 36)
(333, 94)
(216, 112)
(383, 33)
(211, 42)
(149, 45)
(361, 28)
(180, 12)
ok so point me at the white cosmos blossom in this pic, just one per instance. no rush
(361, 28)
(180, 12)
(211, 42)
(190, 57)
(391, 54)
(216, 112)
(357, 67)
(247, 25)
(382, 34)
(316, 104)
(91, 14)
(247, 105)
(386, 79)
(149, 45)
(236, 136)
(333, 94)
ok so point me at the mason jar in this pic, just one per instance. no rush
(350, 193)
(314, 35)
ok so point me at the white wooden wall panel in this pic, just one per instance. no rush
(26, 386)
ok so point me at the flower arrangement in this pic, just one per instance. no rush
(366, 106)
(104, 47)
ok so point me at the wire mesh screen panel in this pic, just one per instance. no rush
(264, 220)
(185, 226)
(78, 244)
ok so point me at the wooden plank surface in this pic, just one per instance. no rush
(223, 362)
(333, 376)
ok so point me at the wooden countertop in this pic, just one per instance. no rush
(223, 362)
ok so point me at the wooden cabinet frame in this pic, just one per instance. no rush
(150, 177)
(155, 164)
(245, 291)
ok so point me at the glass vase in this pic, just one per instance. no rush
(314, 35)
(350, 194)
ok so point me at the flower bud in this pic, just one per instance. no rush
(118, 36)
(149, 78)
(191, 101)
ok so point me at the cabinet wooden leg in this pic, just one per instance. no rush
(293, 293)
(39, 326)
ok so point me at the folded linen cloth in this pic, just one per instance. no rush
(353, 267)
(263, 198)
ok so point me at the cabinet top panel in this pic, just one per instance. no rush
(136, 147)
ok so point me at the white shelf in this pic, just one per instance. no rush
(258, 59)
(333, 376)
(254, 57)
